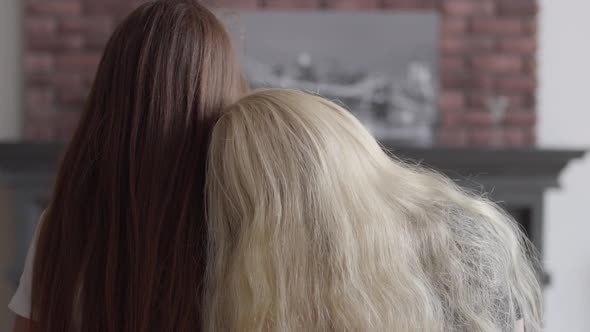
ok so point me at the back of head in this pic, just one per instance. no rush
(312, 227)
(122, 244)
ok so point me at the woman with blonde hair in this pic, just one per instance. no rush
(313, 227)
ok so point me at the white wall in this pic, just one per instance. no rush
(564, 121)
(10, 69)
(10, 129)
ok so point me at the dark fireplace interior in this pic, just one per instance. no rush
(522, 214)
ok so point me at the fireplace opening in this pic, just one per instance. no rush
(522, 215)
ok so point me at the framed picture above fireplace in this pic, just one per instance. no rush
(367, 61)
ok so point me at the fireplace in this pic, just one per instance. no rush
(472, 65)
(485, 64)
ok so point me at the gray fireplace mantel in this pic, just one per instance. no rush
(495, 168)
(516, 178)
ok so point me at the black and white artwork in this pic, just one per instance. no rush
(380, 66)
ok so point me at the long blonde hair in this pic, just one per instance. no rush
(313, 227)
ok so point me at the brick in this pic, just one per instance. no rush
(292, 4)
(460, 45)
(56, 43)
(485, 136)
(350, 4)
(451, 64)
(530, 66)
(39, 130)
(453, 26)
(453, 137)
(67, 119)
(483, 82)
(530, 26)
(66, 124)
(111, 7)
(410, 4)
(38, 63)
(65, 80)
(477, 44)
(429, 4)
(451, 119)
(497, 63)
(96, 42)
(516, 84)
(530, 137)
(454, 80)
(88, 77)
(520, 118)
(87, 25)
(530, 100)
(518, 101)
(236, 3)
(73, 62)
(468, 7)
(40, 26)
(54, 7)
(38, 101)
(515, 137)
(65, 134)
(451, 100)
(40, 117)
(479, 100)
(478, 118)
(72, 97)
(497, 26)
(520, 45)
(38, 79)
(453, 45)
(519, 8)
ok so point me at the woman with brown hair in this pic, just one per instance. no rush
(122, 244)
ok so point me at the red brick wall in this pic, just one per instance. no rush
(487, 49)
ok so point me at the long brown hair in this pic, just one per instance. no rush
(122, 245)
